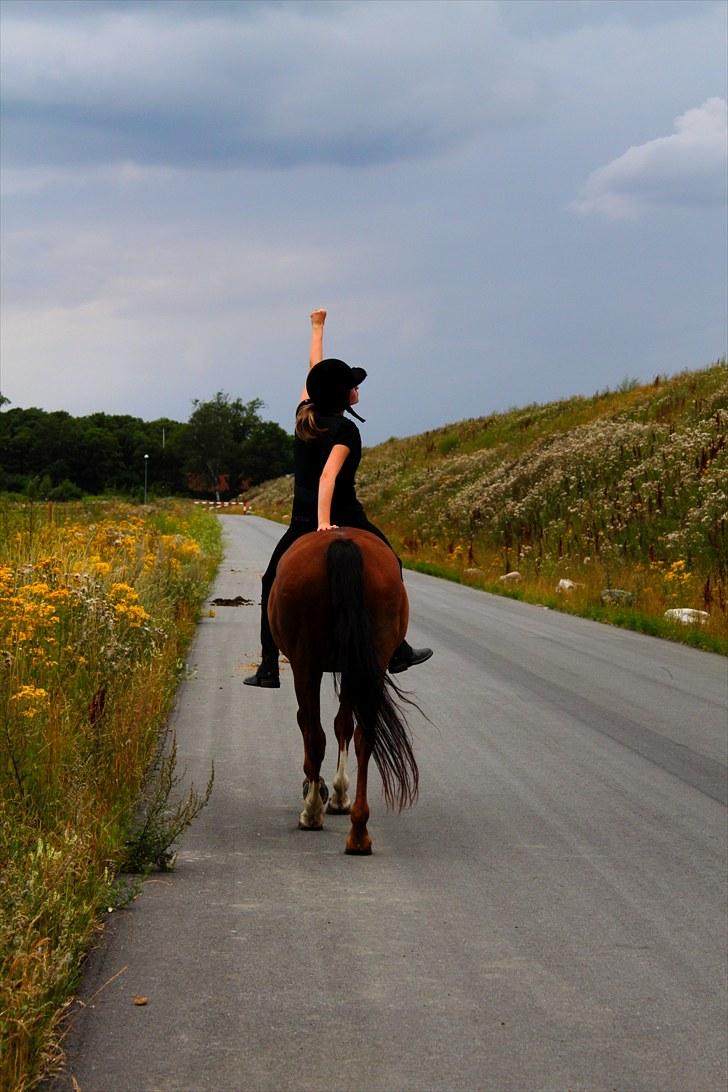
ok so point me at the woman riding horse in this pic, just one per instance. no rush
(338, 604)
(327, 451)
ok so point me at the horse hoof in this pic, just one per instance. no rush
(362, 850)
(305, 826)
(335, 809)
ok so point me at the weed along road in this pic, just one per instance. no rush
(550, 915)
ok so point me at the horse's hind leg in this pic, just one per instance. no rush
(339, 802)
(359, 841)
(314, 746)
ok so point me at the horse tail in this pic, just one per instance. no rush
(361, 679)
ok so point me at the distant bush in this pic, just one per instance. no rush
(448, 444)
(65, 491)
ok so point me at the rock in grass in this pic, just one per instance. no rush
(687, 616)
(616, 595)
(566, 585)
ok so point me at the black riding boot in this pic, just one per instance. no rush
(405, 657)
(267, 674)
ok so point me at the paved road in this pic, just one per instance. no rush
(550, 915)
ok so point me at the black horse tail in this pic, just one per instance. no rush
(361, 680)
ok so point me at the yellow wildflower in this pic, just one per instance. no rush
(123, 591)
(189, 548)
(59, 595)
(30, 700)
(50, 564)
(133, 613)
(137, 616)
(40, 588)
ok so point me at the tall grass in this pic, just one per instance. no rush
(625, 490)
(97, 605)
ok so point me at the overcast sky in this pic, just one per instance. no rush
(499, 202)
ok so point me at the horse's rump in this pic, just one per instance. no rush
(299, 607)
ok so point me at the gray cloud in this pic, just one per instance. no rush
(284, 85)
(537, 19)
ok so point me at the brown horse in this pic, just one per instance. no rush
(338, 604)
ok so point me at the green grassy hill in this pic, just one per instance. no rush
(625, 490)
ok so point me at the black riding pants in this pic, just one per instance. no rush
(298, 528)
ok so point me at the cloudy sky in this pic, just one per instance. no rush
(499, 202)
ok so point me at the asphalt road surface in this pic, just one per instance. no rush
(550, 915)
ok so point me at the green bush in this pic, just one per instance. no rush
(65, 491)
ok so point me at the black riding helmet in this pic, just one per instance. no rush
(328, 385)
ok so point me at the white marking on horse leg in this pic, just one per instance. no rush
(340, 800)
(312, 816)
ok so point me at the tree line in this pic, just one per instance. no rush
(224, 448)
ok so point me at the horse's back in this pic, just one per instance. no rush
(306, 558)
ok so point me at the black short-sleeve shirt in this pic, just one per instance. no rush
(309, 459)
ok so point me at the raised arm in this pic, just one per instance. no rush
(316, 346)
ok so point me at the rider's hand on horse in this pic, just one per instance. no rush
(318, 317)
(327, 527)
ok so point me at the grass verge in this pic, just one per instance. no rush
(98, 604)
(625, 617)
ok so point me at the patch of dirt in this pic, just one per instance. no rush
(238, 601)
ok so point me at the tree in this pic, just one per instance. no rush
(224, 445)
(214, 437)
(267, 453)
(96, 460)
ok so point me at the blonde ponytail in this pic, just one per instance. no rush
(306, 427)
